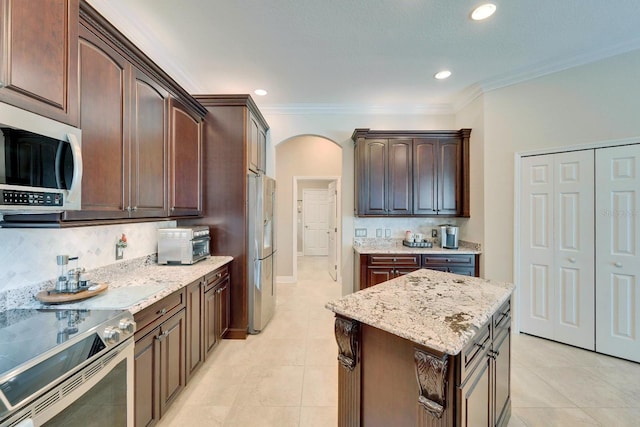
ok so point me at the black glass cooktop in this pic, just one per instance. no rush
(29, 334)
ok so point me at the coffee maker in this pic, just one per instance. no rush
(449, 236)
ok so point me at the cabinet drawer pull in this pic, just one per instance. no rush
(162, 312)
(494, 354)
(482, 346)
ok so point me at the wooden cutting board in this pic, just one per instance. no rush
(50, 297)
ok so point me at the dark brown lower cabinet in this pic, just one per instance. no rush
(216, 308)
(160, 348)
(159, 369)
(173, 338)
(377, 268)
(195, 327)
(386, 380)
(485, 387)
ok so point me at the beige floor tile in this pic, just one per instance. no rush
(321, 352)
(318, 416)
(585, 389)
(615, 417)
(280, 352)
(320, 386)
(194, 415)
(529, 391)
(262, 416)
(214, 385)
(554, 417)
(271, 386)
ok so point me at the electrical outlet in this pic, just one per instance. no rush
(387, 232)
(378, 232)
(434, 232)
(361, 232)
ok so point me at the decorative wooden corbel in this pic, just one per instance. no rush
(346, 331)
(431, 373)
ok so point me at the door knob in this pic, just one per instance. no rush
(572, 260)
(617, 264)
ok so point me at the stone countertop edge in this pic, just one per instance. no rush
(399, 248)
(438, 310)
(170, 277)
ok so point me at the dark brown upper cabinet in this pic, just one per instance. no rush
(186, 161)
(39, 61)
(411, 173)
(256, 145)
(386, 177)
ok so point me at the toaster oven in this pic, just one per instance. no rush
(183, 245)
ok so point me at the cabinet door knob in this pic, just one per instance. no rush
(572, 260)
(617, 264)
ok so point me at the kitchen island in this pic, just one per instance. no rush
(425, 349)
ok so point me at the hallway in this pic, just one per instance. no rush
(287, 375)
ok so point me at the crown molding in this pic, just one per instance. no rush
(145, 40)
(356, 109)
(559, 64)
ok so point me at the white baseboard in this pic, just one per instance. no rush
(285, 279)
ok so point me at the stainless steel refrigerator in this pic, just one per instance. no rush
(262, 250)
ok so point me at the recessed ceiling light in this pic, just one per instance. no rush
(441, 75)
(483, 11)
(260, 92)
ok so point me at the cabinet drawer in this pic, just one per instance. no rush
(466, 260)
(405, 260)
(155, 314)
(215, 277)
(502, 318)
(475, 350)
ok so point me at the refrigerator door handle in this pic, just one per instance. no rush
(257, 270)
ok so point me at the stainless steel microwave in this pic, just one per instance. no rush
(40, 163)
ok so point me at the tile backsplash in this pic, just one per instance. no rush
(28, 256)
(395, 228)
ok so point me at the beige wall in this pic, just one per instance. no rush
(593, 103)
(587, 104)
(338, 128)
(304, 155)
(472, 229)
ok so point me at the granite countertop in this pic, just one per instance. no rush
(135, 287)
(395, 246)
(442, 311)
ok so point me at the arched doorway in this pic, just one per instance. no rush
(304, 161)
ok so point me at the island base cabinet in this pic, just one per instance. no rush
(386, 380)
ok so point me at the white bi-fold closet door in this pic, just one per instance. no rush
(617, 252)
(557, 247)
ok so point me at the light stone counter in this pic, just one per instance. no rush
(395, 246)
(442, 311)
(134, 285)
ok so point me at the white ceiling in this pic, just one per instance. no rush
(369, 55)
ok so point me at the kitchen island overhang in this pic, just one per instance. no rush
(428, 348)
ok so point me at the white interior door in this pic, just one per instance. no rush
(617, 238)
(574, 249)
(315, 222)
(332, 216)
(537, 300)
(557, 241)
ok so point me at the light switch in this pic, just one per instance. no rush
(361, 232)
(378, 232)
(387, 232)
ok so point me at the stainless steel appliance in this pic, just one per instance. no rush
(262, 250)
(449, 236)
(183, 245)
(66, 367)
(40, 163)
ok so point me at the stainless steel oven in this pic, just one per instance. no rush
(66, 368)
